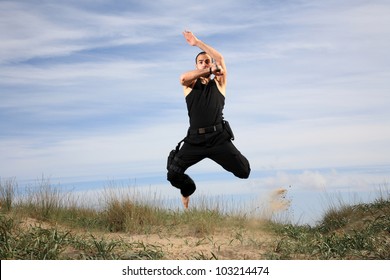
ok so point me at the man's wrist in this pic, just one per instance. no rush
(198, 43)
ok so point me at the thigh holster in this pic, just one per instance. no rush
(173, 162)
(176, 176)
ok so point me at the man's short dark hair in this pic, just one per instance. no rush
(196, 58)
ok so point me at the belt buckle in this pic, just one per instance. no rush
(202, 130)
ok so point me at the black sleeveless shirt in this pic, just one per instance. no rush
(205, 105)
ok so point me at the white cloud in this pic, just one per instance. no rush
(55, 30)
(75, 73)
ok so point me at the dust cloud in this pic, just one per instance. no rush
(278, 200)
(274, 204)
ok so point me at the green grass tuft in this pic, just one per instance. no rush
(46, 223)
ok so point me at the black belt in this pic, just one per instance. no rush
(204, 130)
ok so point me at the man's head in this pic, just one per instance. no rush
(203, 60)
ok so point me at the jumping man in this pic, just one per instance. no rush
(209, 135)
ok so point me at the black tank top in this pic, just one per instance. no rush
(205, 105)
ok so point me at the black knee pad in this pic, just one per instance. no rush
(182, 182)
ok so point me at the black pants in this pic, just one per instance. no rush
(215, 146)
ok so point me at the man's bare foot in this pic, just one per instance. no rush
(186, 201)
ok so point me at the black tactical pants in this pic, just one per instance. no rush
(216, 146)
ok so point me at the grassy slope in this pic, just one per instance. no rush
(47, 225)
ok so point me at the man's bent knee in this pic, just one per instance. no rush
(182, 182)
(245, 169)
(243, 174)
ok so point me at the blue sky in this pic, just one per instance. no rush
(89, 90)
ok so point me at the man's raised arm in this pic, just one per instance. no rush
(193, 41)
(218, 69)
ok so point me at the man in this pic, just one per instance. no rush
(209, 135)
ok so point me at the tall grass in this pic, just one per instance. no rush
(43, 199)
(8, 189)
(358, 231)
(121, 209)
(45, 222)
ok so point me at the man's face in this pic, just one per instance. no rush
(203, 61)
